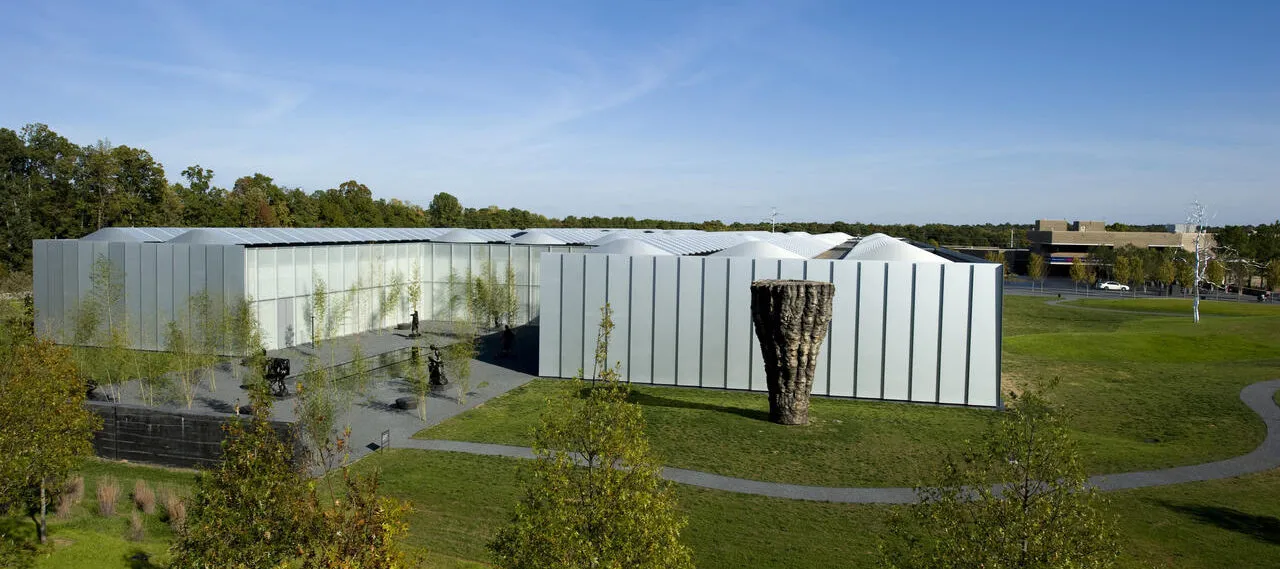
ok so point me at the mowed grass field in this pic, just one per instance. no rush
(1140, 392)
(460, 500)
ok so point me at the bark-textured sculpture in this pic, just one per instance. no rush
(791, 319)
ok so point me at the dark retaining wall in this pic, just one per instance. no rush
(165, 437)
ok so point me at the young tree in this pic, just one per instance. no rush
(414, 291)
(1041, 514)
(361, 530)
(1122, 268)
(254, 509)
(1272, 273)
(101, 321)
(595, 498)
(319, 311)
(317, 412)
(188, 362)
(1078, 272)
(512, 298)
(205, 332)
(419, 378)
(393, 292)
(243, 339)
(1165, 273)
(152, 370)
(45, 428)
(1037, 269)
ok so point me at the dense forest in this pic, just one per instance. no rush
(51, 187)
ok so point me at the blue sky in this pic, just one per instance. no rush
(887, 112)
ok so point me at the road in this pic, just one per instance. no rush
(1062, 286)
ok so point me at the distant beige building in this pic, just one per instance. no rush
(1061, 242)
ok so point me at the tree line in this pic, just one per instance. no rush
(53, 188)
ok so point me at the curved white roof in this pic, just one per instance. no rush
(209, 236)
(881, 247)
(757, 250)
(833, 238)
(535, 237)
(135, 234)
(804, 245)
(799, 233)
(460, 236)
(628, 246)
(609, 237)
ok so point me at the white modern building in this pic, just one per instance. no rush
(907, 324)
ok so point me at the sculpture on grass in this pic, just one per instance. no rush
(791, 319)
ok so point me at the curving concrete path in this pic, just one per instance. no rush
(1257, 397)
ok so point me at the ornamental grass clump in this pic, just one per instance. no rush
(108, 494)
(144, 497)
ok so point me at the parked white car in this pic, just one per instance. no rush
(1112, 285)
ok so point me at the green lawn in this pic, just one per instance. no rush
(1155, 391)
(847, 443)
(1141, 392)
(1182, 306)
(460, 500)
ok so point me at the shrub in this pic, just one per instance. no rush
(108, 494)
(144, 497)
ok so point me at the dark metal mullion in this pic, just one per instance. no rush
(751, 345)
(911, 338)
(999, 338)
(884, 328)
(631, 279)
(942, 298)
(857, 326)
(728, 278)
(831, 345)
(968, 339)
(675, 374)
(702, 320)
(583, 345)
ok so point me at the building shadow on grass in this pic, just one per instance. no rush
(648, 400)
(1261, 528)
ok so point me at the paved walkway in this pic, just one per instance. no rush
(1257, 396)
